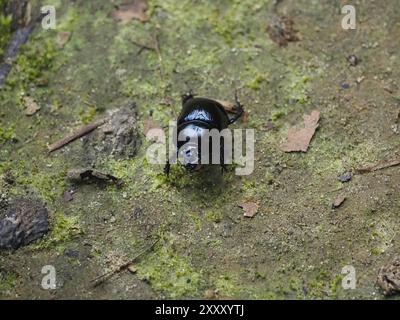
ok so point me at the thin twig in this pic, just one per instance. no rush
(378, 166)
(143, 46)
(158, 50)
(100, 279)
(76, 135)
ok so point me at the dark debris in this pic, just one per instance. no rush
(346, 177)
(24, 222)
(281, 30)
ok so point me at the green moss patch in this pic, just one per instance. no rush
(170, 273)
(8, 281)
(63, 229)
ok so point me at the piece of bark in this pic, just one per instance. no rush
(117, 137)
(25, 222)
(299, 139)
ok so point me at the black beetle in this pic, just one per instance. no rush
(197, 116)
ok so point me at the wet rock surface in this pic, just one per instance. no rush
(295, 247)
(24, 222)
(117, 136)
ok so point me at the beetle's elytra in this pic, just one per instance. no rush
(199, 115)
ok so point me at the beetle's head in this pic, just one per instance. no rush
(189, 145)
(189, 156)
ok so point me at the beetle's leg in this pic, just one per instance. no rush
(239, 110)
(187, 96)
(167, 168)
(222, 159)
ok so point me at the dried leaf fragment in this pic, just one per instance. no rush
(62, 38)
(229, 106)
(31, 106)
(281, 30)
(389, 277)
(135, 10)
(338, 202)
(299, 139)
(153, 130)
(250, 209)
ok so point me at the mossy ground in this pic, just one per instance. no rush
(296, 246)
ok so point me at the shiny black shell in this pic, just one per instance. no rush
(205, 112)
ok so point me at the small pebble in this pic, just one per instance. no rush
(338, 202)
(353, 60)
(67, 196)
(346, 177)
(344, 85)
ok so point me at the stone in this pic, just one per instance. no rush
(24, 222)
(118, 136)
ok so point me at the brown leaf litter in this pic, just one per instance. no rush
(62, 38)
(134, 10)
(31, 106)
(281, 30)
(299, 139)
(151, 134)
(389, 277)
(250, 208)
(230, 107)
